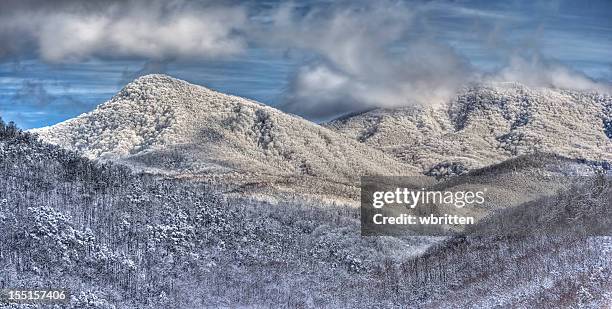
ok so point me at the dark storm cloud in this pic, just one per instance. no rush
(17, 37)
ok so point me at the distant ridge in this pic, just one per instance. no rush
(487, 124)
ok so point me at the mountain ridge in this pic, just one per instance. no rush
(487, 124)
(167, 124)
(162, 124)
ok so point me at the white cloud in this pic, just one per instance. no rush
(536, 72)
(152, 30)
(367, 59)
(367, 54)
(380, 55)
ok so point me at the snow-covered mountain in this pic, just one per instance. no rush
(125, 227)
(117, 239)
(160, 122)
(488, 124)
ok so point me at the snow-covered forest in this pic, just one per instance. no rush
(122, 239)
(489, 123)
(317, 154)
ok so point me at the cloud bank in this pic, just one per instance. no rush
(387, 55)
(74, 31)
(535, 71)
(366, 58)
(355, 54)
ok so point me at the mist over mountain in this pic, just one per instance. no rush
(487, 124)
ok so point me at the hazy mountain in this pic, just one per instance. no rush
(488, 124)
(164, 124)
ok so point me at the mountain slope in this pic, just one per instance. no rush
(161, 122)
(110, 235)
(488, 124)
(116, 239)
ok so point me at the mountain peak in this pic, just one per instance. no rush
(162, 122)
(152, 82)
(158, 89)
(157, 79)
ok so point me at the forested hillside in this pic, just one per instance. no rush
(160, 123)
(126, 240)
(487, 124)
(66, 221)
(119, 239)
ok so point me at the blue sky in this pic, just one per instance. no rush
(317, 59)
